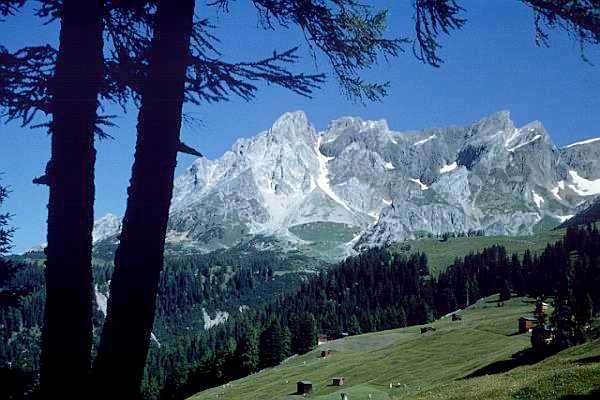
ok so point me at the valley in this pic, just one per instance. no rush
(286, 200)
(249, 232)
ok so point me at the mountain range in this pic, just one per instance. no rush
(359, 184)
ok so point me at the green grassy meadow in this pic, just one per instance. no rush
(468, 359)
(441, 254)
(324, 239)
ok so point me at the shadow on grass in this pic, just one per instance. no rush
(517, 333)
(588, 360)
(594, 394)
(524, 357)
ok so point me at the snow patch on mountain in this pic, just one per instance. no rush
(448, 168)
(515, 134)
(536, 137)
(323, 178)
(537, 199)
(588, 141)
(101, 300)
(374, 215)
(418, 182)
(220, 318)
(556, 190)
(584, 187)
(154, 338)
(423, 141)
(564, 218)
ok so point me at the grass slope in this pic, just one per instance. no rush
(450, 363)
(325, 240)
(441, 254)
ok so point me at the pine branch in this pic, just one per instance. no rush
(214, 80)
(10, 7)
(432, 18)
(345, 31)
(580, 18)
(25, 82)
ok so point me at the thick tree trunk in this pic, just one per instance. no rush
(139, 257)
(67, 332)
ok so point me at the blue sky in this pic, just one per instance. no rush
(492, 64)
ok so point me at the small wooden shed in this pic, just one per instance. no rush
(339, 381)
(321, 339)
(526, 324)
(304, 387)
(326, 353)
(426, 329)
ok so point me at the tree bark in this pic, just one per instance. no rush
(67, 331)
(139, 256)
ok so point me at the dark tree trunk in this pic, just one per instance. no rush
(67, 332)
(139, 257)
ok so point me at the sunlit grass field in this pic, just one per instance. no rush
(441, 254)
(450, 363)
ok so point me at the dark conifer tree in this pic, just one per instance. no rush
(306, 336)
(504, 291)
(12, 290)
(139, 257)
(248, 352)
(67, 334)
(286, 342)
(7, 268)
(354, 325)
(272, 350)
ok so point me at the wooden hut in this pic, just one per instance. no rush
(526, 324)
(338, 381)
(321, 339)
(326, 353)
(304, 387)
(456, 317)
(426, 329)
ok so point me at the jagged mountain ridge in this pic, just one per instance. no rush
(361, 178)
(106, 227)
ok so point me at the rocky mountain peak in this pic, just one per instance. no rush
(105, 227)
(342, 124)
(293, 125)
(359, 184)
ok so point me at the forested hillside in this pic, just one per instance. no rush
(268, 320)
(376, 291)
(192, 290)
